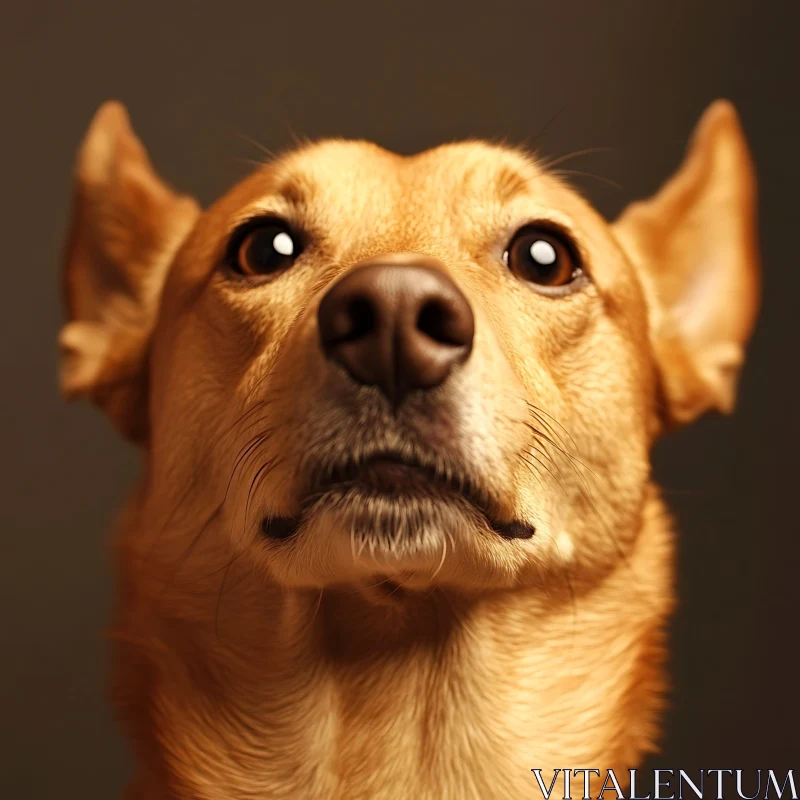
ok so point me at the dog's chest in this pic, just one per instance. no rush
(406, 729)
(466, 720)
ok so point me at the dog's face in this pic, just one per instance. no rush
(439, 369)
(423, 396)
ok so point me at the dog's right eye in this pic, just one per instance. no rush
(265, 248)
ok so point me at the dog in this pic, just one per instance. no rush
(396, 534)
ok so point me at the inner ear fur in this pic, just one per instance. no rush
(695, 247)
(126, 227)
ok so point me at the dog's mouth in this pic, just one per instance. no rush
(396, 480)
(392, 475)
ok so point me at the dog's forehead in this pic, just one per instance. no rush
(466, 168)
(466, 186)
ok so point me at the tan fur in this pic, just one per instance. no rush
(449, 663)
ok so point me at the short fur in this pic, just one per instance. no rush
(385, 653)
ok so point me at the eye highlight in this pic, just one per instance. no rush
(263, 247)
(545, 258)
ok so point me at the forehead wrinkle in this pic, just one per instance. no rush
(344, 174)
(512, 177)
(295, 189)
(482, 167)
(337, 160)
(495, 180)
(510, 184)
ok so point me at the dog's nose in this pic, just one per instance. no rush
(399, 327)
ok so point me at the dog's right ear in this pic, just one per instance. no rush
(127, 225)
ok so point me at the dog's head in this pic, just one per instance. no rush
(445, 368)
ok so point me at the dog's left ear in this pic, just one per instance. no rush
(695, 246)
(127, 225)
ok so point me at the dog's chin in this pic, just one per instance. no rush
(362, 536)
(390, 520)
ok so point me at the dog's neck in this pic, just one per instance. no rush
(235, 688)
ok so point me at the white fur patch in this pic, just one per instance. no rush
(565, 546)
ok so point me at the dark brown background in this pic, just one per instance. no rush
(633, 76)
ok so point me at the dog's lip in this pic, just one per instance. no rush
(350, 470)
(347, 472)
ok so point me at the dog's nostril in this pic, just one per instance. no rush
(362, 318)
(350, 322)
(437, 322)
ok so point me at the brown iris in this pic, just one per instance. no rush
(543, 257)
(265, 249)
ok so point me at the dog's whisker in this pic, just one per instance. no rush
(539, 412)
(270, 154)
(582, 486)
(246, 452)
(219, 600)
(251, 162)
(540, 135)
(442, 560)
(195, 477)
(582, 174)
(549, 163)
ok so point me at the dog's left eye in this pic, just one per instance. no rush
(265, 249)
(543, 257)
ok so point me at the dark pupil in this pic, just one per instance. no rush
(262, 254)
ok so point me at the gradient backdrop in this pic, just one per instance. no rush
(625, 75)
